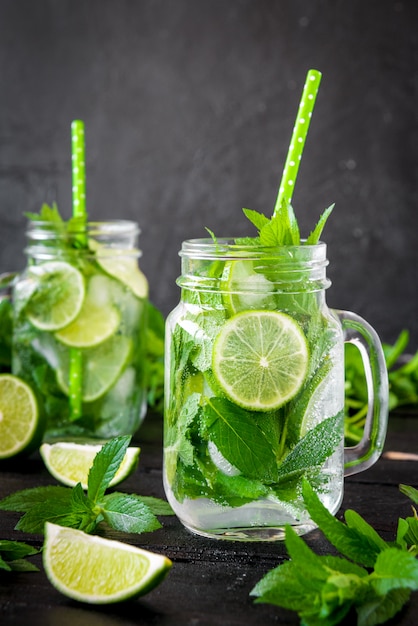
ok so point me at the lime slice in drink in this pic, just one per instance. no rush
(244, 289)
(92, 569)
(260, 359)
(19, 417)
(101, 366)
(121, 264)
(58, 296)
(93, 325)
(70, 462)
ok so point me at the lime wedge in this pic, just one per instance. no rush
(260, 359)
(93, 325)
(70, 462)
(244, 289)
(92, 569)
(102, 366)
(122, 265)
(19, 417)
(58, 296)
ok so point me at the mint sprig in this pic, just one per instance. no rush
(282, 229)
(372, 577)
(74, 508)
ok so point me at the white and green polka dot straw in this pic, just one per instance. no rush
(79, 210)
(78, 169)
(297, 143)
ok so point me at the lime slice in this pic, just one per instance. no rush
(260, 359)
(19, 417)
(93, 325)
(102, 367)
(92, 569)
(121, 264)
(58, 296)
(70, 462)
(244, 289)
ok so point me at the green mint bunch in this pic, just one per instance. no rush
(74, 508)
(372, 577)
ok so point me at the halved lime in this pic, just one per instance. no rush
(93, 325)
(243, 288)
(101, 367)
(260, 359)
(92, 569)
(121, 264)
(58, 296)
(19, 416)
(70, 462)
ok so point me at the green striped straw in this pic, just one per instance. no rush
(79, 210)
(297, 143)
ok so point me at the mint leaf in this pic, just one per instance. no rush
(282, 586)
(315, 235)
(354, 543)
(395, 569)
(12, 556)
(258, 219)
(46, 214)
(155, 505)
(12, 550)
(239, 439)
(105, 465)
(25, 499)
(378, 609)
(57, 512)
(313, 449)
(410, 492)
(128, 514)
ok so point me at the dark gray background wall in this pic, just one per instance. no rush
(189, 107)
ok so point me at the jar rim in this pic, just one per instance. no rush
(229, 247)
(114, 226)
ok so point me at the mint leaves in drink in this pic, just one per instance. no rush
(371, 577)
(74, 508)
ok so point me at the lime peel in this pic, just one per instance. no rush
(19, 416)
(96, 570)
(70, 462)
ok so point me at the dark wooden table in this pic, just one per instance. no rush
(210, 580)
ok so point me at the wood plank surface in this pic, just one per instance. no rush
(210, 581)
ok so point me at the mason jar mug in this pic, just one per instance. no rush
(254, 390)
(79, 327)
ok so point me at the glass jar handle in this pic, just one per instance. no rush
(359, 332)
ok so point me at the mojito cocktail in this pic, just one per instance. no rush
(79, 326)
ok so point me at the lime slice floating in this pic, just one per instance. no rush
(245, 289)
(122, 265)
(58, 297)
(19, 416)
(91, 327)
(92, 569)
(260, 359)
(102, 366)
(70, 462)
